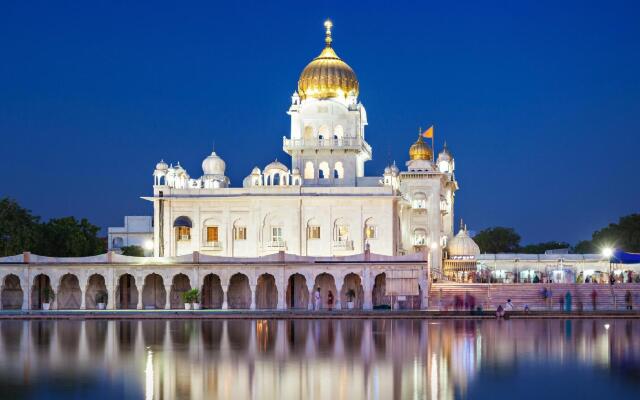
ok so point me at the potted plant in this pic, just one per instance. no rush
(195, 299)
(48, 297)
(101, 300)
(351, 294)
(186, 297)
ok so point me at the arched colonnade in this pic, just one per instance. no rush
(220, 288)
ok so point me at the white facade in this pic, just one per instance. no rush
(137, 231)
(324, 204)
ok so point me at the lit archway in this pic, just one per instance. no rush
(266, 292)
(297, 292)
(352, 284)
(154, 295)
(126, 293)
(239, 293)
(212, 294)
(96, 292)
(180, 285)
(327, 284)
(12, 293)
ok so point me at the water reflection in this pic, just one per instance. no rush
(317, 359)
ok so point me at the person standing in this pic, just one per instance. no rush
(508, 306)
(317, 299)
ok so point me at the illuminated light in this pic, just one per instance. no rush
(148, 374)
(433, 245)
(148, 245)
(607, 252)
(606, 326)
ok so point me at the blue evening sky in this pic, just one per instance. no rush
(539, 101)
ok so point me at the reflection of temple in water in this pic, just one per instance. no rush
(306, 359)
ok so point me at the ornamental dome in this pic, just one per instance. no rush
(162, 166)
(276, 165)
(445, 154)
(420, 150)
(463, 246)
(213, 165)
(394, 168)
(327, 76)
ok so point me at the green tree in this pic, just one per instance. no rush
(540, 248)
(135, 251)
(19, 230)
(68, 237)
(624, 235)
(498, 240)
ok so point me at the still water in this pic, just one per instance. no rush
(324, 359)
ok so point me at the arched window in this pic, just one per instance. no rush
(309, 172)
(341, 231)
(117, 242)
(338, 171)
(183, 226)
(276, 179)
(323, 170)
(419, 200)
(370, 229)
(308, 133)
(313, 229)
(419, 237)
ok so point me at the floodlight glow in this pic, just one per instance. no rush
(148, 245)
(607, 252)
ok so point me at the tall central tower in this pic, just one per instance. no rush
(327, 143)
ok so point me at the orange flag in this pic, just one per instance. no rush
(428, 133)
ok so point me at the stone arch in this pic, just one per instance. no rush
(239, 292)
(419, 237)
(297, 296)
(323, 170)
(353, 282)
(12, 294)
(266, 292)
(323, 132)
(179, 285)
(378, 295)
(69, 293)
(41, 283)
(308, 133)
(96, 287)
(212, 294)
(309, 170)
(154, 295)
(338, 170)
(182, 226)
(370, 229)
(126, 293)
(341, 230)
(326, 283)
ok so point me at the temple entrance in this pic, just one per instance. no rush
(352, 285)
(327, 284)
(379, 287)
(180, 285)
(42, 292)
(127, 293)
(69, 293)
(266, 292)
(96, 292)
(297, 292)
(12, 294)
(239, 294)
(154, 296)
(212, 294)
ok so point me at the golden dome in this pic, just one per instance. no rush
(420, 150)
(327, 76)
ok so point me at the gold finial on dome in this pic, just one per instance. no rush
(328, 24)
(327, 76)
(420, 150)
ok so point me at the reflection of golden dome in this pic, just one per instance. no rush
(327, 75)
(420, 150)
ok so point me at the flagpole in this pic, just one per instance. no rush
(433, 149)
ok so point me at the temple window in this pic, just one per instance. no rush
(313, 232)
(240, 233)
(212, 234)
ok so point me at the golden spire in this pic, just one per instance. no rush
(328, 24)
(327, 76)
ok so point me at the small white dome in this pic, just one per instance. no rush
(394, 168)
(387, 170)
(463, 246)
(276, 165)
(162, 166)
(445, 154)
(255, 171)
(213, 165)
(296, 171)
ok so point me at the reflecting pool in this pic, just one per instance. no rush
(320, 359)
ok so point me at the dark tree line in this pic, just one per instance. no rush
(59, 237)
(624, 235)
